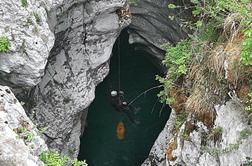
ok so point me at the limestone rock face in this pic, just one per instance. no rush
(220, 132)
(232, 146)
(85, 33)
(30, 38)
(151, 25)
(157, 154)
(15, 148)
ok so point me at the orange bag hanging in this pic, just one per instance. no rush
(120, 131)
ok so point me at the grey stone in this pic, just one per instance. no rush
(158, 151)
(14, 150)
(151, 26)
(85, 34)
(31, 41)
(231, 119)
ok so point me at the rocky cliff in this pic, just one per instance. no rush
(85, 32)
(211, 119)
(27, 29)
(153, 25)
(59, 52)
(63, 49)
(20, 141)
(228, 144)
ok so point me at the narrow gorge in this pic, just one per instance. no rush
(125, 83)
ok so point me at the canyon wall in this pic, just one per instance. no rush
(85, 32)
(59, 52)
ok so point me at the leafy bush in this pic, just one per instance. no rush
(37, 17)
(79, 163)
(244, 134)
(219, 10)
(176, 60)
(24, 3)
(52, 158)
(4, 44)
(25, 134)
(246, 55)
(248, 108)
(216, 19)
(239, 17)
(181, 118)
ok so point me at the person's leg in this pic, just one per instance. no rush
(134, 109)
(129, 113)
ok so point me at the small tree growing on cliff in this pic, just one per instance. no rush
(4, 44)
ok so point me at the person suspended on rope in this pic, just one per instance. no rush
(117, 101)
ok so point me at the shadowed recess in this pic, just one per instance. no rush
(110, 138)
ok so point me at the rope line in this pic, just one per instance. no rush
(144, 92)
(119, 65)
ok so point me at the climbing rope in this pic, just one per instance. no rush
(119, 77)
(144, 93)
(119, 65)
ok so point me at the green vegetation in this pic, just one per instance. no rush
(52, 158)
(234, 16)
(42, 130)
(176, 60)
(24, 3)
(29, 136)
(247, 164)
(29, 22)
(181, 118)
(37, 17)
(220, 9)
(215, 134)
(217, 130)
(133, 2)
(4, 44)
(244, 134)
(217, 21)
(246, 55)
(24, 132)
(217, 151)
(248, 108)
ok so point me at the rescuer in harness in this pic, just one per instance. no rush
(117, 101)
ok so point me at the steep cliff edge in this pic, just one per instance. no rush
(151, 26)
(63, 49)
(208, 85)
(26, 28)
(85, 33)
(20, 141)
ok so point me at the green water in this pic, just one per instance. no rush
(99, 144)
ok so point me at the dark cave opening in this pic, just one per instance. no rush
(100, 144)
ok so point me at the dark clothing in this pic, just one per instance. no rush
(119, 105)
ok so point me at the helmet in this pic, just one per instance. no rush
(124, 103)
(113, 93)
